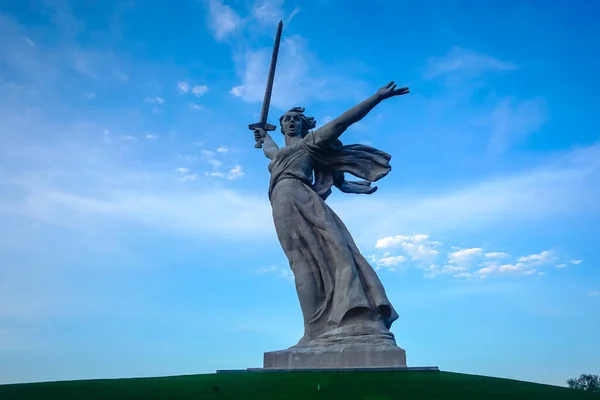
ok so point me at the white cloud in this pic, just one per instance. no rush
(561, 265)
(390, 241)
(183, 170)
(222, 19)
(418, 247)
(235, 172)
(150, 136)
(398, 240)
(576, 262)
(496, 255)
(461, 263)
(466, 63)
(199, 90)
(154, 100)
(512, 267)
(487, 270)
(195, 106)
(128, 137)
(183, 86)
(216, 174)
(465, 254)
(89, 95)
(465, 258)
(222, 149)
(390, 261)
(237, 90)
(594, 293)
(544, 257)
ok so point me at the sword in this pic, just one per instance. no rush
(263, 124)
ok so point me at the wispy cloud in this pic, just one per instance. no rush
(154, 100)
(465, 62)
(284, 273)
(300, 77)
(150, 136)
(268, 12)
(300, 74)
(594, 293)
(511, 121)
(564, 184)
(235, 172)
(222, 19)
(183, 86)
(290, 17)
(29, 42)
(199, 90)
(541, 258)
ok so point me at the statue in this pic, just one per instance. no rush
(341, 297)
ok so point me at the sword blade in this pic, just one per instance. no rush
(269, 88)
(264, 114)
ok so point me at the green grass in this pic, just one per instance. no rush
(296, 385)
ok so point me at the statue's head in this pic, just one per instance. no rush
(294, 122)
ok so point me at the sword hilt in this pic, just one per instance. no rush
(265, 127)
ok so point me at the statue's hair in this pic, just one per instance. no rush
(308, 123)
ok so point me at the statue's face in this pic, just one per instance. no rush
(292, 124)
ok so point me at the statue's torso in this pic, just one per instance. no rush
(293, 162)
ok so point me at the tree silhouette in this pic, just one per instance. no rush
(587, 382)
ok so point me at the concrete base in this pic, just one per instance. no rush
(336, 356)
(229, 371)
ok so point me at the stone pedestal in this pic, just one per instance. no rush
(336, 356)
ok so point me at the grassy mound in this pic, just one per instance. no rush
(296, 385)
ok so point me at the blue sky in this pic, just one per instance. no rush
(135, 230)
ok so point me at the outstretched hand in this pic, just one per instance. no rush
(390, 90)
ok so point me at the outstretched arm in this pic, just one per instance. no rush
(336, 127)
(269, 145)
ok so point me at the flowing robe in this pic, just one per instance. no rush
(333, 279)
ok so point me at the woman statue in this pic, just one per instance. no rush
(341, 297)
